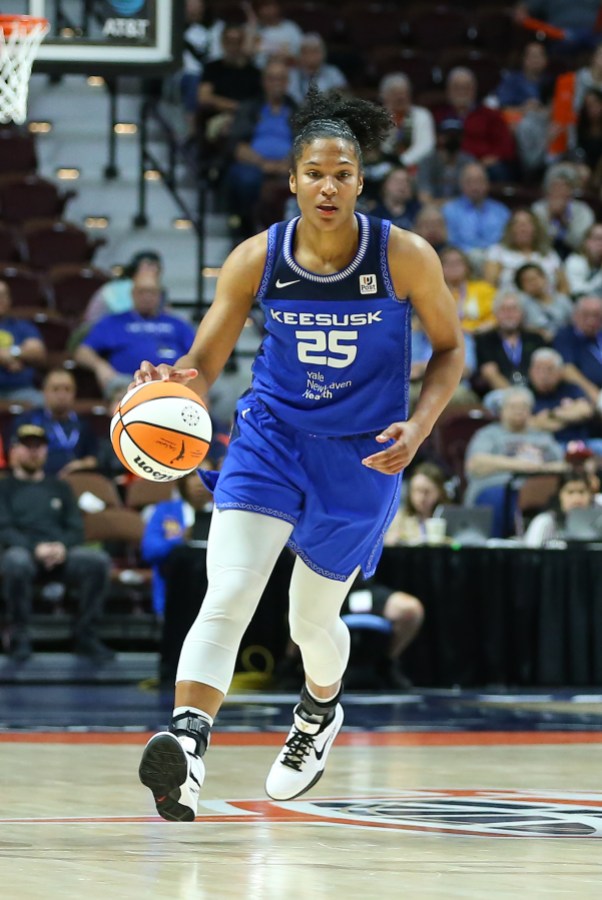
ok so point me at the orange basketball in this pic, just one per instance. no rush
(161, 431)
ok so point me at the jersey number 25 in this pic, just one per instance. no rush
(321, 348)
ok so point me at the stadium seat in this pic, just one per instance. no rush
(10, 250)
(48, 243)
(418, 66)
(25, 286)
(495, 30)
(114, 523)
(372, 24)
(72, 285)
(436, 27)
(452, 435)
(309, 16)
(87, 387)
(24, 197)
(140, 493)
(17, 151)
(534, 495)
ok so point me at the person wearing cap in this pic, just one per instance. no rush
(118, 296)
(41, 533)
(21, 352)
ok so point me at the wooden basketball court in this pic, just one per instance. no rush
(440, 814)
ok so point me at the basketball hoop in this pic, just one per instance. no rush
(20, 37)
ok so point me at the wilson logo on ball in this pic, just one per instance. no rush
(161, 431)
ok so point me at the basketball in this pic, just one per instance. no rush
(161, 431)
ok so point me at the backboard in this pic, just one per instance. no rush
(107, 37)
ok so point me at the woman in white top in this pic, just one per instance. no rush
(524, 241)
(584, 269)
(413, 137)
(575, 492)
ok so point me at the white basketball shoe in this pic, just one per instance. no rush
(174, 773)
(302, 760)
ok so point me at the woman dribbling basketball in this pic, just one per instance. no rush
(319, 442)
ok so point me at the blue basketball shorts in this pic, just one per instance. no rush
(339, 508)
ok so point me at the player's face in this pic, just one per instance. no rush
(327, 181)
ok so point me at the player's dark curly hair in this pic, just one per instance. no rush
(336, 115)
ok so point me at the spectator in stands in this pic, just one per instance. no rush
(499, 453)
(226, 83)
(584, 269)
(115, 344)
(439, 172)
(170, 525)
(547, 528)
(576, 19)
(529, 87)
(273, 35)
(525, 95)
(71, 442)
(588, 139)
(565, 219)
(412, 138)
(425, 491)
(588, 77)
(22, 351)
(473, 296)
(474, 220)
(311, 67)
(42, 534)
(524, 240)
(561, 408)
(504, 353)
(485, 134)
(398, 199)
(546, 311)
(117, 296)
(202, 42)
(430, 224)
(261, 139)
(580, 345)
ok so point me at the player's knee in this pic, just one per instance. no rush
(230, 594)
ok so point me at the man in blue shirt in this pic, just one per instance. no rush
(474, 220)
(580, 345)
(560, 407)
(114, 346)
(72, 444)
(21, 349)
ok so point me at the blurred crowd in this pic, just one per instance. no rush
(494, 157)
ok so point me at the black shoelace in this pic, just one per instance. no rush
(299, 746)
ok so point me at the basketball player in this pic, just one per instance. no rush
(319, 443)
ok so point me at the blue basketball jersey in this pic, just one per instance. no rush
(336, 357)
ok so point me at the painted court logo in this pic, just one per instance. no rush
(469, 813)
(484, 813)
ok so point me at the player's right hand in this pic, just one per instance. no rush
(162, 372)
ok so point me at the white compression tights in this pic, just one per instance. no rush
(242, 550)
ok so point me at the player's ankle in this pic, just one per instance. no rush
(192, 727)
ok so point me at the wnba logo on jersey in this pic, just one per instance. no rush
(368, 284)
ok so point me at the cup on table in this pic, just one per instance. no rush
(435, 530)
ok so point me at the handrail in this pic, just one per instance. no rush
(150, 110)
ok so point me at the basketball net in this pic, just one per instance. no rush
(20, 37)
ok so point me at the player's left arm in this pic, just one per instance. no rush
(417, 274)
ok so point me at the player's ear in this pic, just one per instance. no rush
(292, 182)
(360, 183)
